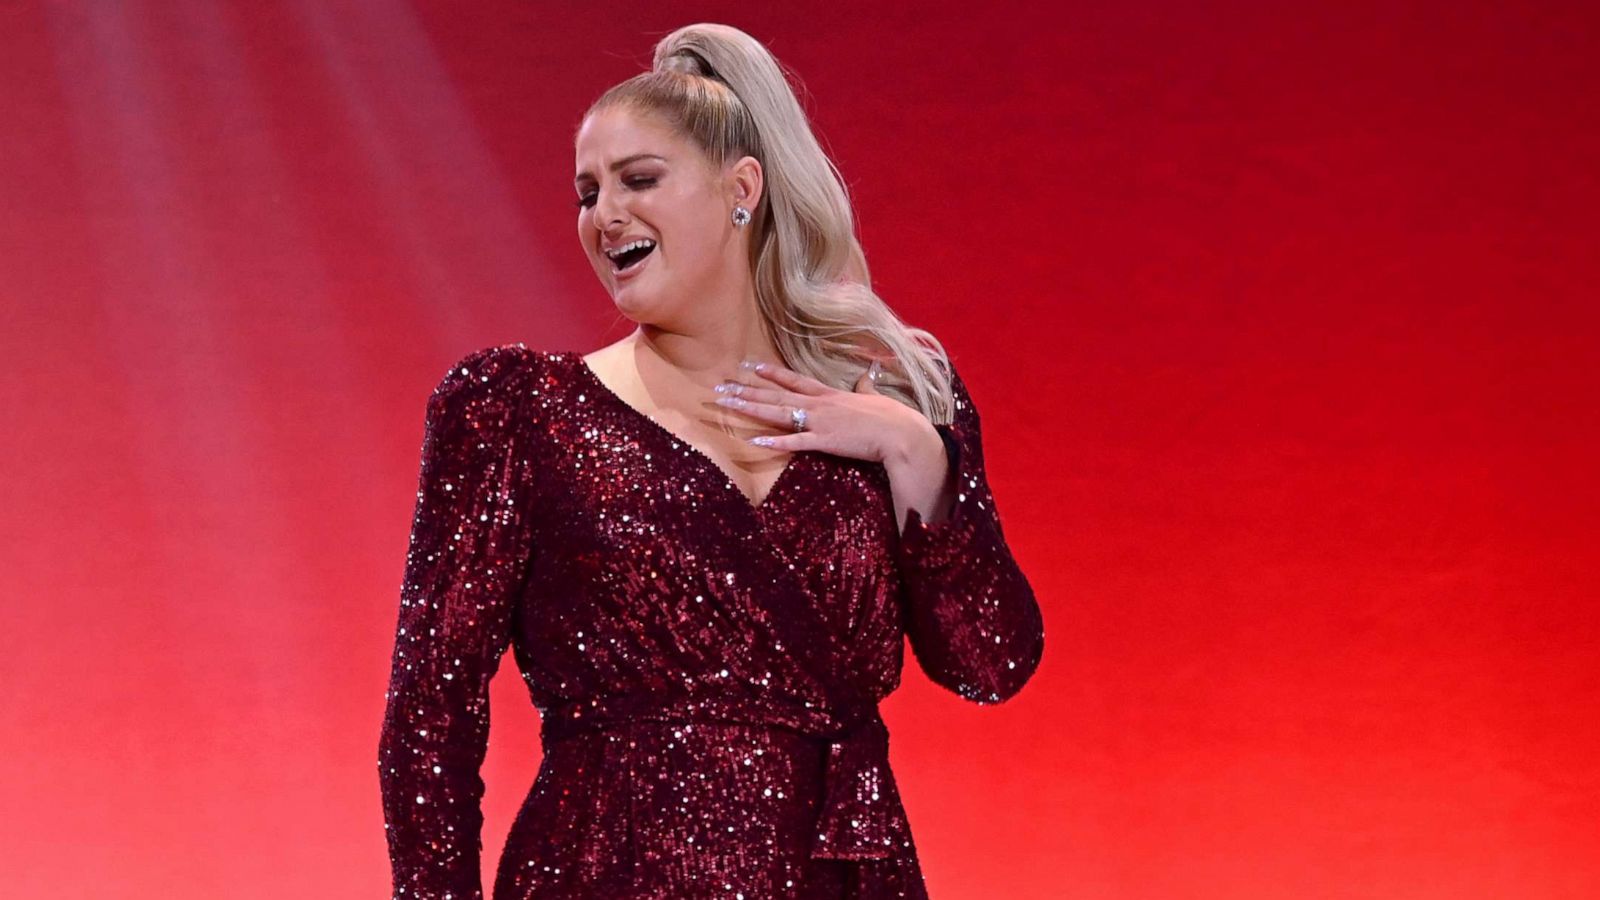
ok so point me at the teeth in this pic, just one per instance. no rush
(631, 245)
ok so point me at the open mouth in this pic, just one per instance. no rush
(628, 260)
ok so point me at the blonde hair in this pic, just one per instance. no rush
(727, 94)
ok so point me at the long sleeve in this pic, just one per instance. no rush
(465, 565)
(972, 618)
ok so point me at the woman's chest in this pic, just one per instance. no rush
(641, 531)
(612, 486)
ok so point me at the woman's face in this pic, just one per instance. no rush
(639, 180)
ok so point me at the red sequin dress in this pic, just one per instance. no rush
(707, 671)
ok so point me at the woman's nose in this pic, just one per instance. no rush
(607, 212)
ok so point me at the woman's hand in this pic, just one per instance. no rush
(862, 424)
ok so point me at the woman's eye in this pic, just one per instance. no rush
(587, 200)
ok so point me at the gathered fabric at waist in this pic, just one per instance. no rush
(860, 816)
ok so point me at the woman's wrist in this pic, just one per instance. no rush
(912, 445)
(920, 474)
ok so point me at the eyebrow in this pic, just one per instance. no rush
(620, 163)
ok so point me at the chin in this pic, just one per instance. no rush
(647, 308)
(633, 307)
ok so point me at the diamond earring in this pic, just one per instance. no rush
(741, 216)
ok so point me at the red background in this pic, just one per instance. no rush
(1280, 317)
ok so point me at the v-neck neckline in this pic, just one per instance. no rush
(795, 456)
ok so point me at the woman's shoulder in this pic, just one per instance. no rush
(489, 367)
(503, 377)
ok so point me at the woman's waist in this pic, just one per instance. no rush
(812, 719)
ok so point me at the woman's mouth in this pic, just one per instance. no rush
(625, 265)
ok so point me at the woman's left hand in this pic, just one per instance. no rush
(862, 424)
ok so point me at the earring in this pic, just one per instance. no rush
(741, 216)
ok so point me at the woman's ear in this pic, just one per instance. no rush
(748, 182)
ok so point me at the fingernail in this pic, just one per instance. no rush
(763, 440)
(748, 364)
(721, 389)
(731, 401)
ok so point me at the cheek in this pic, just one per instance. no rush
(587, 241)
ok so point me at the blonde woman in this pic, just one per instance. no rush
(705, 543)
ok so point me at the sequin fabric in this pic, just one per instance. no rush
(707, 671)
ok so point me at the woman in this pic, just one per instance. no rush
(706, 571)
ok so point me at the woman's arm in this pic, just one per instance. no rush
(468, 553)
(974, 624)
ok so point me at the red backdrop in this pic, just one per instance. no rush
(1280, 317)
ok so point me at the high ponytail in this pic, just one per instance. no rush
(725, 92)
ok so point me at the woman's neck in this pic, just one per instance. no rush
(714, 353)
